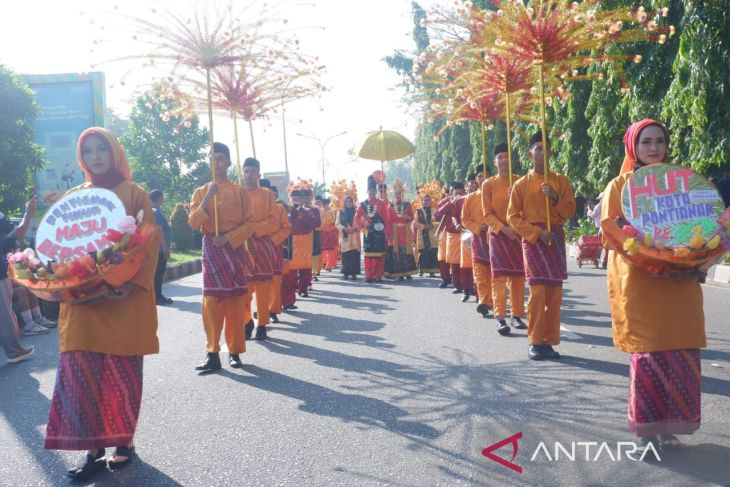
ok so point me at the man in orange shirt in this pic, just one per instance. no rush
(505, 249)
(222, 211)
(472, 218)
(543, 249)
(260, 249)
(329, 236)
(281, 266)
(451, 215)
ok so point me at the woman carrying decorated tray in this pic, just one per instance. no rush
(98, 390)
(658, 319)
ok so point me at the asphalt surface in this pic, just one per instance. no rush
(397, 384)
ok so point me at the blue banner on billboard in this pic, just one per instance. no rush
(69, 104)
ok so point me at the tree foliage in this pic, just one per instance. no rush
(20, 156)
(683, 82)
(166, 152)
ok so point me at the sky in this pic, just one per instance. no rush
(356, 36)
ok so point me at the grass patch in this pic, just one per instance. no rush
(179, 257)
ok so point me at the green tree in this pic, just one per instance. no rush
(115, 123)
(166, 152)
(20, 156)
(182, 234)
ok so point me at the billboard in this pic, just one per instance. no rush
(69, 104)
(281, 181)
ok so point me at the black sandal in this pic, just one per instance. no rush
(122, 451)
(91, 465)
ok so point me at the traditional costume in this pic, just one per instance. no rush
(660, 322)
(505, 253)
(465, 262)
(399, 262)
(262, 260)
(545, 265)
(317, 240)
(329, 237)
(224, 267)
(372, 216)
(304, 219)
(281, 266)
(428, 241)
(451, 220)
(98, 391)
(350, 245)
(472, 218)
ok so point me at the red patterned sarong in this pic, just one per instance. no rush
(480, 248)
(505, 255)
(261, 257)
(223, 269)
(95, 402)
(329, 239)
(664, 392)
(545, 264)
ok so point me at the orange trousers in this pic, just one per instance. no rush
(543, 314)
(329, 259)
(263, 290)
(516, 296)
(218, 312)
(483, 280)
(275, 305)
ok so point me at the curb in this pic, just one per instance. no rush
(183, 269)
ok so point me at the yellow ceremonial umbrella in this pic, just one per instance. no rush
(384, 145)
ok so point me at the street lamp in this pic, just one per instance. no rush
(322, 144)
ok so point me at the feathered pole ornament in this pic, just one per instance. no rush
(559, 37)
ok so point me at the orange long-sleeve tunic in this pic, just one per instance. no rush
(284, 227)
(647, 314)
(527, 204)
(265, 214)
(471, 214)
(235, 213)
(125, 327)
(495, 202)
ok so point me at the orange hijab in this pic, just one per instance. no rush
(120, 167)
(631, 137)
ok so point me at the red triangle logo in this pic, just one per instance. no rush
(487, 452)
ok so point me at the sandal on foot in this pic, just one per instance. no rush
(670, 441)
(122, 451)
(91, 465)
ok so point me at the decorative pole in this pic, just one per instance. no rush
(212, 150)
(508, 111)
(235, 138)
(543, 124)
(253, 145)
(484, 149)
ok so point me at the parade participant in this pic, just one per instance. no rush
(260, 252)
(505, 247)
(444, 268)
(349, 234)
(452, 224)
(465, 260)
(399, 262)
(281, 257)
(472, 217)
(428, 240)
(224, 259)
(26, 304)
(543, 250)
(329, 236)
(158, 198)
(98, 391)
(659, 320)
(304, 219)
(372, 216)
(9, 330)
(317, 240)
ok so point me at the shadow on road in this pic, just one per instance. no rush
(339, 329)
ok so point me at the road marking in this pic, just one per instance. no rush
(569, 334)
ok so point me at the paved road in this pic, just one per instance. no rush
(398, 384)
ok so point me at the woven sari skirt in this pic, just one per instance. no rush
(664, 392)
(95, 402)
(351, 263)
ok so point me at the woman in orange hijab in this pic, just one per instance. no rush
(659, 321)
(98, 389)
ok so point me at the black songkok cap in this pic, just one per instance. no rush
(296, 192)
(306, 192)
(318, 197)
(537, 137)
(472, 177)
(265, 183)
(457, 185)
(222, 148)
(503, 148)
(326, 201)
(251, 162)
(371, 182)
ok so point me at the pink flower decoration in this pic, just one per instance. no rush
(127, 225)
(17, 258)
(29, 253)
(34, 263)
